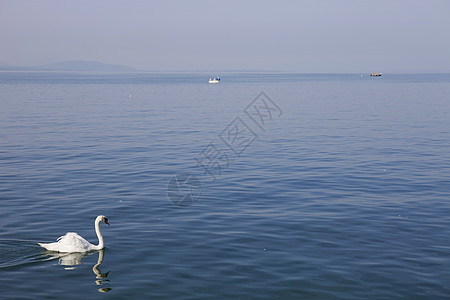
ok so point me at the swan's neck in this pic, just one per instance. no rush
(101, 244)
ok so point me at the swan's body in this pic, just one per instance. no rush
(72, 242)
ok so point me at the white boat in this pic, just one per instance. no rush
(215, 79)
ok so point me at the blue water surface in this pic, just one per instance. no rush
(326, 186)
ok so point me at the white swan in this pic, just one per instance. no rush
(72, 242)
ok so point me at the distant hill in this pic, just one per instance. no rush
(73, 65)
(4, 64)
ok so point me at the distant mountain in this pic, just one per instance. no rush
(81, 65)
(73, 65)
(4, 64)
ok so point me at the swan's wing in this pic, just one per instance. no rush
(73, 242)
(70, 242)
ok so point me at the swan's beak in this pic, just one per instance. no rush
(106, 221)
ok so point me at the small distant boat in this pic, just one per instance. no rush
(215, 79)
(375, 74)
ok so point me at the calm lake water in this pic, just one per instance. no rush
(323, 187)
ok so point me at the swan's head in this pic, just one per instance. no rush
(102, 218)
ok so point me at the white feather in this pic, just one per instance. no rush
(73, 242)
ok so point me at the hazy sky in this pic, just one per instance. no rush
(306, 36)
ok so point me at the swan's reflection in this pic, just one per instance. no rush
(70, 260)
(101, 277)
